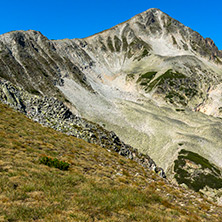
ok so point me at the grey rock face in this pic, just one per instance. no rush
(30, 60)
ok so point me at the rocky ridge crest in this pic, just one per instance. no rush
(51, 112)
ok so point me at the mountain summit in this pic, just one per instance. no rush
(151, 42)
(154, 24)
(143, 79)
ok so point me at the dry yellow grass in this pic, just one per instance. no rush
(99, 185)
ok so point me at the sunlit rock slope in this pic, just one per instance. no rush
(145, 79)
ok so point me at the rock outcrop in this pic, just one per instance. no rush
(51, 112)
(30, 60)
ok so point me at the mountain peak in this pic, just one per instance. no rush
(152, 10)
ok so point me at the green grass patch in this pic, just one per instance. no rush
(194, 175)
(110, 44)
(174, 40)
(145, 78)
(117, 43)
(54, 163)
(167, 76)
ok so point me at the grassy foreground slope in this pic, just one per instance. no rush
(98, 186)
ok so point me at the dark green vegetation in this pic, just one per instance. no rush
(196, 172)
(218, 60)
(168, 77)
(99, 185)
(177, 87)
(174, 40)
(110, 44)
(54, 162)
(118, 43)
(144, 79)
(138, 47)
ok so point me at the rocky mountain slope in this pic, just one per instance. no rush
(154, 51)
(143, 79)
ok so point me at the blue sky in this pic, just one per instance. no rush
(77, 19)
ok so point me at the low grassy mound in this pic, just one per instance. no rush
(97, 185)
(196, 172)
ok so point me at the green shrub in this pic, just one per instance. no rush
(54, 163)
(196, 179)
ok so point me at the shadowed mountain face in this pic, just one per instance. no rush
(142, 79)
(30, 59)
